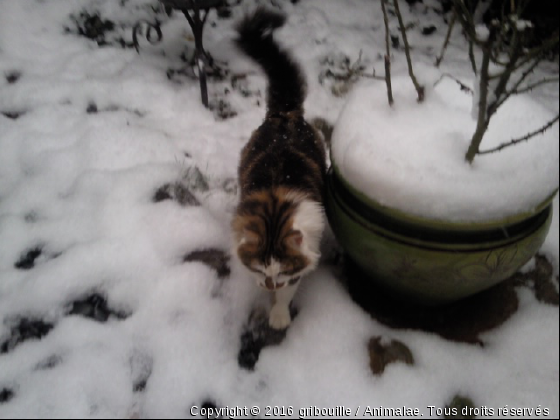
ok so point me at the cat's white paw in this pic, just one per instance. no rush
(279, 317)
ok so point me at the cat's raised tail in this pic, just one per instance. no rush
(286, 83)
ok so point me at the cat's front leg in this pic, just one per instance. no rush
(280, 317)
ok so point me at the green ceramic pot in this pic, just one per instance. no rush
(425, 261)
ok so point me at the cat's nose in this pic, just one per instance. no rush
(269, 283)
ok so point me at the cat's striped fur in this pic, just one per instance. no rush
(279, 219)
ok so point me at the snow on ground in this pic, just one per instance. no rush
(112, 174)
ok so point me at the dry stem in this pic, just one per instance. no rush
(387, 54)
(522, 139)
(447, 37)
(419, 88)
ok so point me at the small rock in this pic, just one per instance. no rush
(28, 258)
(13, 76)
(209, 408)
(381, 355)
(6, 394)
(429, 30)
(140, 386)
(162, 194)
(95, 307)
(92, 108)
(209, 404)
(13, 115)
(92, 26)
(460, 408)
(25, 329)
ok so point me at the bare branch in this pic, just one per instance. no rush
(522, 78)
(462, 86)
(466, 20)
(472, 58)
(504, 48)
(549, 45)
(419, 88)
(387, 55)
(373, 76)
(483, 118)
(386, 22)
(388, 80)
(447, 37)
(501, 93)
(527, 137)
(532, 86)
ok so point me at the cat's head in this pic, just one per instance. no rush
(277, 236)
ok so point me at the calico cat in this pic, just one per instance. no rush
(280, 218)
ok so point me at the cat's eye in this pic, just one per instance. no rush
(288, 272)
(256, 270)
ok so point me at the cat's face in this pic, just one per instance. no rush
(274, 265)
(278, 239)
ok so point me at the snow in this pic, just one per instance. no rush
(411, 156)
(80, 186)
(522, 24)
(482, 32)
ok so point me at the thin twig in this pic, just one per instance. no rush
(387, 54)
(504, 48)
(472, 58)
(466, 20)
(372, 76)
(447, 37)
(549, 45)
(483, 118)
(532, 86)
(388, 80)
(522, 139)
(507, 93)
(419, 88)
(501, 93)
(463, 86)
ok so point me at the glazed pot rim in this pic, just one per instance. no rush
(437, 224)
(433, 233)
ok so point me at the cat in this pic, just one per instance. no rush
(279, 220)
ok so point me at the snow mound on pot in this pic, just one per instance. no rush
(411, 156)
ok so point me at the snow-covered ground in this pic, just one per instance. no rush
(116, 183)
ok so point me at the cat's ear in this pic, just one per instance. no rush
(294, 239)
